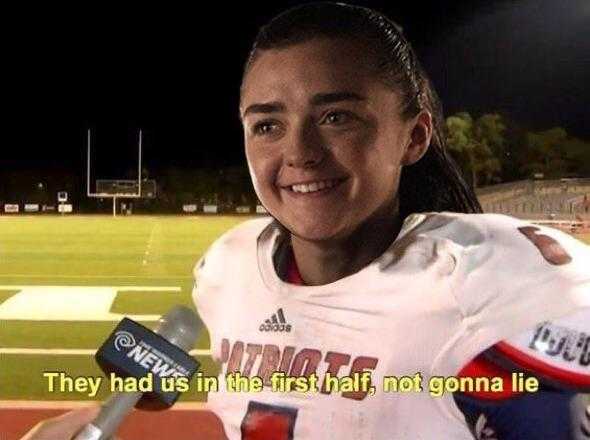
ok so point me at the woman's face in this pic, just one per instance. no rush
(324, 138)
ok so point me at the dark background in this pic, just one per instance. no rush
(175, 71)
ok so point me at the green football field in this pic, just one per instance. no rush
(71, 279)
(103, 267)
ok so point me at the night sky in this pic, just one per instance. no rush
(175, 72)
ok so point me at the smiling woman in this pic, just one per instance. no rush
(335, 126)
(326, 140)
(357, 275)
(344, 143)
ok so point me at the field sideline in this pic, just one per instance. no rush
(66, 281)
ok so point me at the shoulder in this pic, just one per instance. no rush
(244, 234)
(228, 262)
(239, 240)
(488, 240)
(473, 229)
(510, 275)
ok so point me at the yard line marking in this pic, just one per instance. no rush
(72, 303)
(75, 351)
(138, 318)
(71, 404)
(118, 288)
(149, 242)
(28, 275)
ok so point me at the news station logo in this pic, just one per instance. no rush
(147, 356)
(124, 339)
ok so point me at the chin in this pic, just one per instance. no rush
(313, 226)
(316, 231)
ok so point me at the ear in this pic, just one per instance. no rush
(420, 136)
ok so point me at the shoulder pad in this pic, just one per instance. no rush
(557, 352)
(217, 259)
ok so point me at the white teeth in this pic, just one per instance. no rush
(314, 186)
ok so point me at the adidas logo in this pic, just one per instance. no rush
(276, 323)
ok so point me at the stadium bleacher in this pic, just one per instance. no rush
(563, 203)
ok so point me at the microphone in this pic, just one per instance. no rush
(133, 350)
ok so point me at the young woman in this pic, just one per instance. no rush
(376, 259)
(356, 272)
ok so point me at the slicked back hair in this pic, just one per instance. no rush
(434, 183)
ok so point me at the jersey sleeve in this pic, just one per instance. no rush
(214, 269)
(510, 276)
(548, 414)
(225, 263)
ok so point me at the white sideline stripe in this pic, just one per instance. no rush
(118, 288)
(28, 275)
(75, 351)
(71, 404)
(72, 303)
(138, 318)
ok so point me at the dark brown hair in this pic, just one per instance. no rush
(434, 183)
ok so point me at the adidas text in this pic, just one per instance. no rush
(275, 327)
(276, 323)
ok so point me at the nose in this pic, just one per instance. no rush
(305, 149)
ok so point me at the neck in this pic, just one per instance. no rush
(325, 261)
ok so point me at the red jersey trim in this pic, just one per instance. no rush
(541, 368)
(293, 275)
(482, 367)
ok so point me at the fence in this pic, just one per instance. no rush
(554, 199)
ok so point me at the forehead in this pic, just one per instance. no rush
(316, 66)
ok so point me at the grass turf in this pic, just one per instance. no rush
(94, 251)
(65, 334)
(5, 294)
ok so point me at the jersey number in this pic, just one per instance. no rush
(551, 250)
(268, 422)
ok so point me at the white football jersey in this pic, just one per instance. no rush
(449, 286)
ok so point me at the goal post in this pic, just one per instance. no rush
(120, 188)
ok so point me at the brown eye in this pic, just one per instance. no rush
(336, 118)
(264, 128)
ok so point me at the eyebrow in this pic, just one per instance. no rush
(316, 100)
(267, 107)
(330, 98)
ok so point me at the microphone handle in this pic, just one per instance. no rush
(109, 418)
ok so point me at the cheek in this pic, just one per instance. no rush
(372, 157)
(263, 170)
(377, 168)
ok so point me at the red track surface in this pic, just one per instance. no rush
(141, 425)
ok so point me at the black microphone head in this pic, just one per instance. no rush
(180, 326)
(133, 350)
